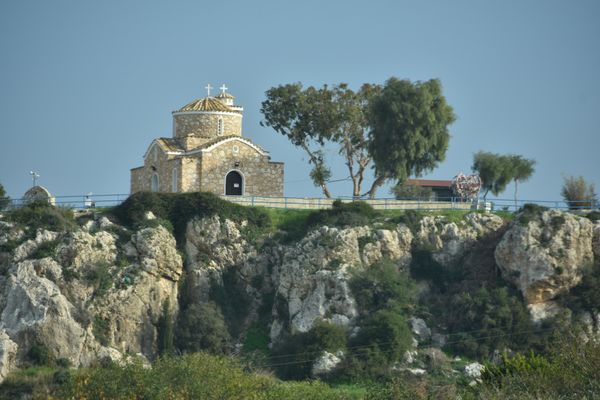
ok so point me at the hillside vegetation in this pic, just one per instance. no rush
(227, 301)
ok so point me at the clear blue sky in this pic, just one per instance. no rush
(85, 86)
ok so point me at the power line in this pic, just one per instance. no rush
(359, 349)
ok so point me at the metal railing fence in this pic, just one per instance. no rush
(450, 203)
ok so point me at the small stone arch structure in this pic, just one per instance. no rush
(38, 193)
(234, 183)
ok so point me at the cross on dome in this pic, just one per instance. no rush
(223, 88)
(208, 87)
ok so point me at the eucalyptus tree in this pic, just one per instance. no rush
(409, 129)
(495, 170)
(522, 169)
(312, 117)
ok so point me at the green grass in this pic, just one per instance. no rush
(28, 383)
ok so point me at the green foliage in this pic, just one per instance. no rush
(312, 117)
(409, 128)
(382, 286)
(342, 214)
(569, 371)
(522, 169)
(517, 364)
(29, 383)
(495, 170)
(294, 356)
(404, 191)
(485, 320)
(45, 249)
(201, 327)
(593, 216)
(179, 208)
(579, 194)
(586, 295)
(165, 331)
(424, 267)
(4, 199)
(530, 212)
(192, 376)
(41, 215)
(101, 277)
(101, 327)
(39, 354)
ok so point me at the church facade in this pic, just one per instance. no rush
(208, 153)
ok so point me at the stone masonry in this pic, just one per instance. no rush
(206, 146)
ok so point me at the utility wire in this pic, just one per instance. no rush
(362, 349)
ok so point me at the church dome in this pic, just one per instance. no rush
(206, 104)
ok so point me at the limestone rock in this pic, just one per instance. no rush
(419, 327)
(474, 370)
(8, 354)
(84, 249)
(545, 256)
(596, 241)
(36, 310)
(327, 362)
(449, 241)
(27, 248)
(157, 252)
(540, 312)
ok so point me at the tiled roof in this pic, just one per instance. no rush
(170, 144)
(225, 96)
(429, 182)
(206, 104)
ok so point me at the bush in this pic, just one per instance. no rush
(382, 285)
(101, 278)
(101, 330)
(45, 249)
(4, 199)
(41, 215)
(342, 214)
(201, 327)
(39, 354)
(586, 295)
(179, 208)
(403, 191)
(165, 331)
(530, 212)
(578, 194)
(486, 320)
(517, 364)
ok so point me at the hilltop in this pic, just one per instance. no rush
(347, 295)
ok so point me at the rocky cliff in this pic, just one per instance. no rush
(100, 289)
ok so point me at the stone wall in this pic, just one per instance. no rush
(205, 124)
(141, 177)
(261, 177)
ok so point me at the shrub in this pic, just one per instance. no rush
(100, 277)
(41, 215)
(586, 295)
(382, 285)
(294, 356)
(165, 331)
(101, 329)
(403, 191)
(485, 320)
(342, 214)
(4, 199)
(579, 194)
(179, 208)
(45, 249)
(201, 327)
(39, 354)
(530, 212)
(517, 364)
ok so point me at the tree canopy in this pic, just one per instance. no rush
(578, 193)
(498, 170)
(495, 171)
(401, 127)
(409, 129)
(311, 117)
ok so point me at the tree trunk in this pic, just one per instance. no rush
(516, 206)
(378, 182)
(325, 191)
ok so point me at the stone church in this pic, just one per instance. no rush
(208, 153)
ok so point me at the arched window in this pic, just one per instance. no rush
(220, 127)
(174, 181)
(154, 182)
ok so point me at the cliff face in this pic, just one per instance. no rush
(100, 290)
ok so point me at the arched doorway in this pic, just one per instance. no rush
(233, 184)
